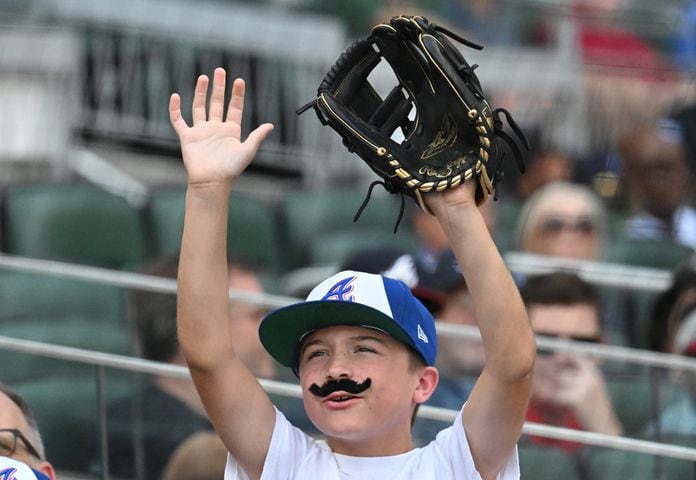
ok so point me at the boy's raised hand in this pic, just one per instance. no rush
(212, 148)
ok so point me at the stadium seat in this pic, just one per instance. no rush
(507, 212)
(635, 401)
(255, 234)
(645, 252)
(72, 222)
(79, 332)
(310, 215)
(25, 295)
(546, 463)
(334, 248)
(635, 306)
(606, 464)
(165, 219)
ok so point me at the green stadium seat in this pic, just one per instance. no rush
(635, 402)
(649, 253)
(74, 222)
(311, 215)
(605, 464)
(334, 248)
(25, 295)
(78, 332)
(546, 463)
(507, 211)
(635, 306)
(255, 234)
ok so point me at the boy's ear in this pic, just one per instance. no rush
(47, 469)
(426, 384)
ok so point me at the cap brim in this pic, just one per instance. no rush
(281, 330)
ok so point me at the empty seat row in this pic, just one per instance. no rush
(81, 223)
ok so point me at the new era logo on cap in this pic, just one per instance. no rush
(422, 335)
(352, 298)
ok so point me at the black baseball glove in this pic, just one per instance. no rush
(449, 133)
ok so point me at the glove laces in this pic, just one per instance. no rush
(389, 187)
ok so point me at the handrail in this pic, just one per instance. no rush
(166, 285)
(598, 273)
(607, 352)
(133, 364)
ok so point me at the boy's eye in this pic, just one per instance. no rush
(365, 349)
(314, 354)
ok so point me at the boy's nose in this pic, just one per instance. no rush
(339, 367)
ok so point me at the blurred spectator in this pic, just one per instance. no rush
(673, 330)
(481, 21)
(684, 48)
(686, 119)
(657, 181)
(166, 398)
(20, 438)
(544, 164)
(486, 22)
(202, 456)
(569, 390)
(672, 306)
(431, 238)
(563, 219)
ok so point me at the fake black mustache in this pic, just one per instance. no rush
(342, 385)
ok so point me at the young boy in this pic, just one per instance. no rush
(362, 346)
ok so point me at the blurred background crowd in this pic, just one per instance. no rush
(599, 233)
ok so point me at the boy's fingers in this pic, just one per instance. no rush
(199, 97)
(257, 137)
(175, 117)
(217, 97)
(236, 107)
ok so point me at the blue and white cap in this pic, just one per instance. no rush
(11, 469)
(357, 299)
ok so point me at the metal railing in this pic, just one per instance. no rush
(130, 280)
(105, 360)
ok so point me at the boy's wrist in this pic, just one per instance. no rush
(209, 192)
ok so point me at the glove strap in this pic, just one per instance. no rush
(367, 200)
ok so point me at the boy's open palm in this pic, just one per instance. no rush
(212, 148)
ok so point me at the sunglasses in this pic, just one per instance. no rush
(555, 225)
(574, 338)
(8, 443)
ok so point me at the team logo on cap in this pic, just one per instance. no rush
(341, 291)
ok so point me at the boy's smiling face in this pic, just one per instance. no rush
(376, 414)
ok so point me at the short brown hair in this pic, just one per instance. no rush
(33, 433)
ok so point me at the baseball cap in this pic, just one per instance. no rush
(402, 265)
(16, 470)
(439, 272)
(351, 298)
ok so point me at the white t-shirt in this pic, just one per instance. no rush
(295, 455)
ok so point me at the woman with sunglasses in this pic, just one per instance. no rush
(20, 440)
(563, 219)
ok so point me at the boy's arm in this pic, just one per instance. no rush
(496, 408)
(214, 156)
